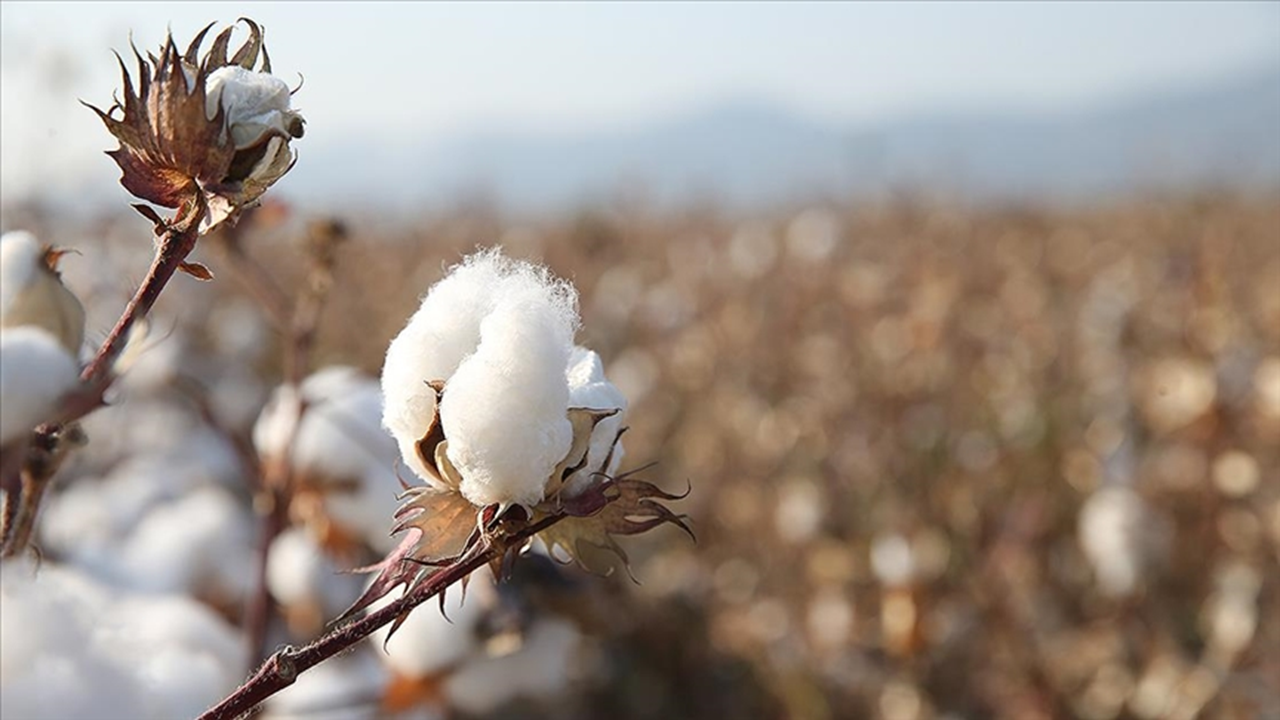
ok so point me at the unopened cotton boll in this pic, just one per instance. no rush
(32, 293)
(35, 372)
(498, 333)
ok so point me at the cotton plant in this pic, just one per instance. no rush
(203, 135)
(480, 650)
(41, 328)
(508, 424)
(74, 647)
(343, 462)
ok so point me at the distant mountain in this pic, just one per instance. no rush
(747, 153)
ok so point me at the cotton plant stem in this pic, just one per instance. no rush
(299, 321)
(19, 519)
(175, 246)
(283, 667)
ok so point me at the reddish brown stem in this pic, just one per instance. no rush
(19, 520)
(284, 666)
(174, 247)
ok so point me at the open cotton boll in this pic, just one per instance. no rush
(444, 330)
(340, 440)
(32, 294)
(200, 544)
(340, 435)
(35, 371)
(542, 667)
(498, 333)
(75, 648)
(299, 573)
(505, 408)
(589, 388)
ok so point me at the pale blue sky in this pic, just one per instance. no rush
(433, 69)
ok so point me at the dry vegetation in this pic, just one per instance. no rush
(891, 417)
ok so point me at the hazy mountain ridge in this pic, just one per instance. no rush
(746, 152)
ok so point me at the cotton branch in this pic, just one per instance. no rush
(48, 446)
(284, 666)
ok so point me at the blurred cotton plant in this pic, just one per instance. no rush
(508, 423)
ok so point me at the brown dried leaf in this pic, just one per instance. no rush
(196, 270)
(622, 506)
(444, 518)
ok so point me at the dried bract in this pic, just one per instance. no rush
(204, 135)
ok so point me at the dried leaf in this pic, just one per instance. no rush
(197, 271)
(621, 506)
(444, 518)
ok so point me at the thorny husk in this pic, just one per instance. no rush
(174, 153)
(441, 526)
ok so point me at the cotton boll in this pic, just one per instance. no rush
(339, 436)
(498, 333)
(31, 293)
(340, 440)
(71, 684)
(542, 667)
(183, 657)
(75, 648)
(87, 521)
(199, 544)
(505, 409)
(35, 371)
(301, 576)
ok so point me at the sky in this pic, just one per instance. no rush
(436, 70)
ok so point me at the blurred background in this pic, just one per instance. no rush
(961, 320)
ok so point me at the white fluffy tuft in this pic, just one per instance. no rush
(500, 333)
(589, 388)
(20, 259)
(35, 371)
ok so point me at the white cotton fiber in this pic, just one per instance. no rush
(499, 333)
(75, 648)
(35, 371)
(588, 388)
(20, 260)
(444, 330)
(200, 544)
(340, 440)
(505, 409)
(32, 294)
(300, 573)
(542, 667)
